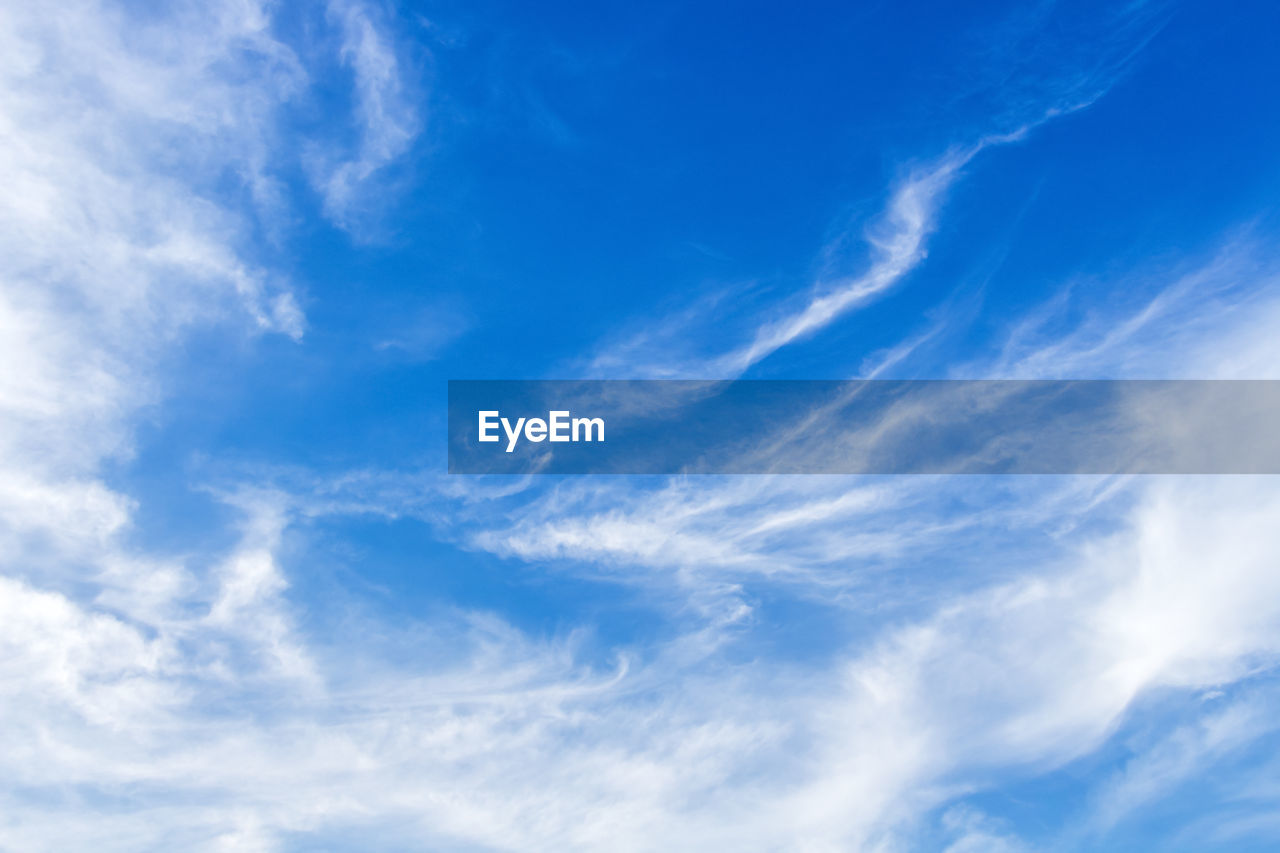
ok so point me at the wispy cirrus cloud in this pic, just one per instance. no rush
(386, 112)
(170, 702)
(1204, 318)
(1048, 659)
(897, 246)
(139, 151)
(114, 238)
(895, 241)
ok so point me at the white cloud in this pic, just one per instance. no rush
(897, 246)
(114, 132)
(1012, 677)
(153, 702)
(897, 237)
(1206, 318)
(387, 118)
(1179, 756)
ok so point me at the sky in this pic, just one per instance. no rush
(244, 245)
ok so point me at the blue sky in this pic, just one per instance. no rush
(243, 246)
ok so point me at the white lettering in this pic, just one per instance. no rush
(558, 426)
(587, 424)
(513, 435)
(486, 425)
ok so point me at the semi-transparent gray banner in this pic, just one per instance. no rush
(865, 427)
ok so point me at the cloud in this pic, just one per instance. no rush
(1198, 318)
(510, 742)
(897, 246)
(1018, 101)
(113, 235)
(1222, 728)
(387, 116)
(1149, 587)
(162, 701)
